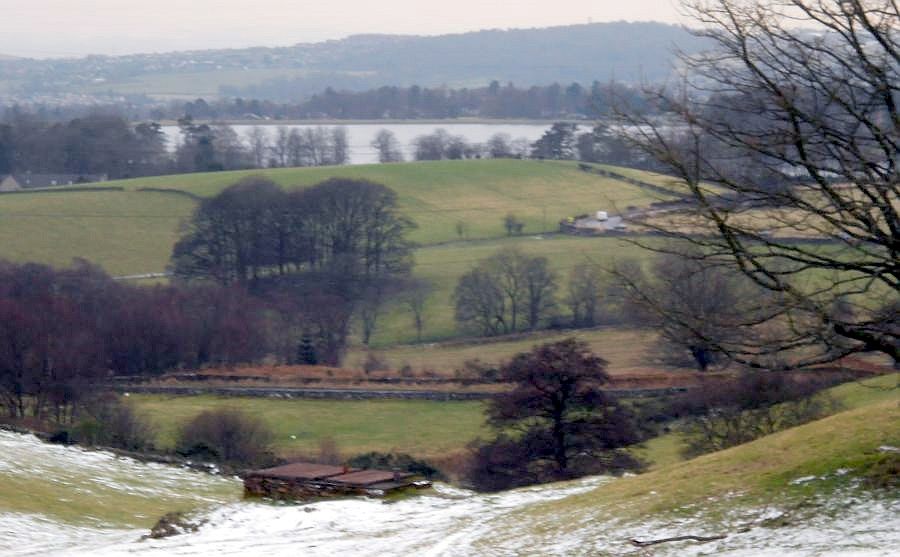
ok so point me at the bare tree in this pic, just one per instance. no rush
(480, 303)
(498, 146)
(540, 291)
(696, 307)
(416, 295)
(786, 141)
(583, 296)
(388, 147)
(258, 140)
(340, 145)
(280, 147)
(504, 292)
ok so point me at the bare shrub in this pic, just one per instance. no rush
(227, 435)
(109, 422)
(752, 406)
(397, 461)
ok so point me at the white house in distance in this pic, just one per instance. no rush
(16, 182)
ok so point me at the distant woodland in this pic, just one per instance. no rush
(495, 100)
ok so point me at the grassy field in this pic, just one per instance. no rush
(438, 194)
(133, 232)
(422, 428)
(126, 232)
(625, 350)
(443, 265)
(665, 450)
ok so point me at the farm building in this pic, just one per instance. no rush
(16, 182)
(589, 225)
(305, 480)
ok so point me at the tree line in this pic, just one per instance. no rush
(104, 144)
(107, 144)
(62, 330)
(496, 100)
(94, 144)
(695, 308)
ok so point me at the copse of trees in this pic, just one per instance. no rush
(93, 144)
(62, 330)
(207, 148)
(509, 292)
(254, 230)
(512, 291)
(319, 256)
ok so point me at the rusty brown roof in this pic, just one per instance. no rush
(303, 471)
(367, 477)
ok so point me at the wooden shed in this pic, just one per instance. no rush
(307, 480)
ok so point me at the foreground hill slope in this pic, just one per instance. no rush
(781, 480)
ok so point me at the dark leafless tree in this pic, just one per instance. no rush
(505, 292)
(583, 294)
(786, 138)
(698, 308)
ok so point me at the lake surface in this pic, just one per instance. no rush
(361, 135)
(66, 501)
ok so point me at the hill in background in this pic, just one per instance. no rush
(621, 51)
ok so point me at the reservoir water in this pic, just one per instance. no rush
(361, 135)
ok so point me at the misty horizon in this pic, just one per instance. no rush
(53, 29)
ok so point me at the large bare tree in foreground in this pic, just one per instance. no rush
(786, 138)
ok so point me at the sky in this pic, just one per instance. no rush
(64, 28)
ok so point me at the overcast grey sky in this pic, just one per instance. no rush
(51, 28)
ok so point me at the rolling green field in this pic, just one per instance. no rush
(443, 265)
(438, 194)
(623, 349)
(126, 232)
(132, 231)
(422, 428)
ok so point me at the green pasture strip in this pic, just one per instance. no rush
(421, 428)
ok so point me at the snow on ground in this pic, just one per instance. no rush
(446, 522)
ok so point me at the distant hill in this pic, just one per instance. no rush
(626, 52)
